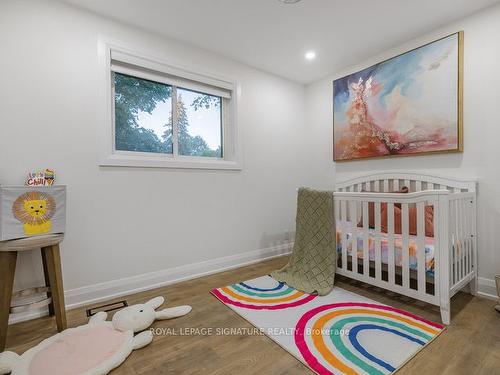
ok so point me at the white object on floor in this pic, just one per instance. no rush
(341, 332)
(95, 348)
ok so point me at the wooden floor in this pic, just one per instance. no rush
(471, 345)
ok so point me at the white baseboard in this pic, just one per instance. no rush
(487, 288)
(116, 288)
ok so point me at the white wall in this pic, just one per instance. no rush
(131, 228)
(131, 223)
(481, 155)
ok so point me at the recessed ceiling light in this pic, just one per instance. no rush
(311, 55)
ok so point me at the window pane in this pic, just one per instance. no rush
(200, 124)
(143, 115)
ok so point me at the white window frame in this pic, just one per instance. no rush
(120, 59)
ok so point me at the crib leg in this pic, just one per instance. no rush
(473, 286)
(445, 313)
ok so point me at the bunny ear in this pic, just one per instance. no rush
(173, 312)
(156, 302)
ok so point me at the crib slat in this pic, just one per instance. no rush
(438, 275)
(386, 186)
(421, 246)
(463, 238)
(354, 246)
(461, 226)
(366, 255)
(418, 185)
(466, 235)
(344, 233)
(452, 241)
(376, 185)
(405, 263)
(470, 215)
(378, 252)
(456, 241)
(336, 215)
(390, 242)
(407, 183)
(338, 222)
(453, 218)
(459, 240)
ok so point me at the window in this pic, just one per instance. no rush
(199, 124)
(167, 117)
(143, 115)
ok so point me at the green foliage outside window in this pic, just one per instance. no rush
(135, 95)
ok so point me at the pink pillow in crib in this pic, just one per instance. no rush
(371, 210)
(412, 213)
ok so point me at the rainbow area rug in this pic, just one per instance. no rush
(341, 333)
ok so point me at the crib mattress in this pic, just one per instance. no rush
(398, 244)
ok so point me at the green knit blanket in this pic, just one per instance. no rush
(313, 261)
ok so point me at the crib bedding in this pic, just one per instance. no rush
(384, 246)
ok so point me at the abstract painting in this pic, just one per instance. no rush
(407, 105)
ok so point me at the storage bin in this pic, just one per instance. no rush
(32, 211)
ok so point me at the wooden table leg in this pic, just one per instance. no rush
(53, 259)
(7, 271)
(47, 281)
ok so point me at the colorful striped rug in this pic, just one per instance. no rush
(341, 333)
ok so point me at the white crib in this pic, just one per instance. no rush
(383, 257)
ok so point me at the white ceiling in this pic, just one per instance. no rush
(273, 36)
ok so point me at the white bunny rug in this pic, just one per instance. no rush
(95, 348)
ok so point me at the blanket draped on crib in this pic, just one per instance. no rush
(313, 261)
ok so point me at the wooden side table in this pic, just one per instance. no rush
(51, 258)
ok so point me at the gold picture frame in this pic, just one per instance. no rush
(348, 137)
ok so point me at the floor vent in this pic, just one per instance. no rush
(106, 308)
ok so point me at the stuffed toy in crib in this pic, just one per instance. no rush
(94, 348)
